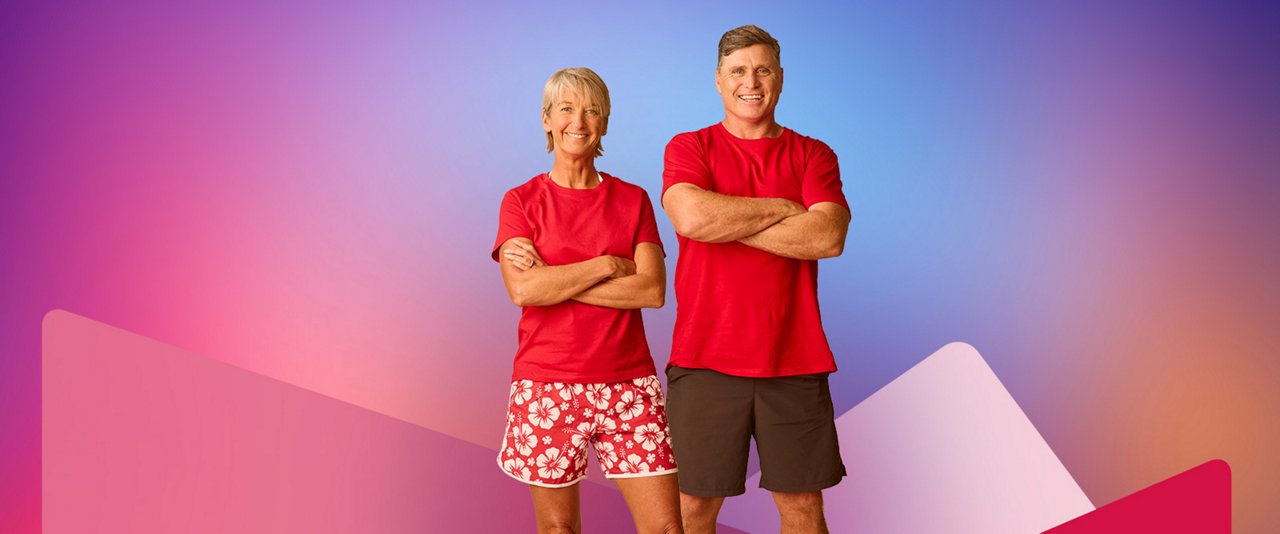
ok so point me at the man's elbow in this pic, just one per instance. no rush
(832, 249)
(689, 223)
(700, 228)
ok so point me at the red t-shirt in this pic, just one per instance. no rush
(572, 341)
(740, 310)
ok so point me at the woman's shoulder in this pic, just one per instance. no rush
(529, 187)
(622, 185)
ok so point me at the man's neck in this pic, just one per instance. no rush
(752, 130)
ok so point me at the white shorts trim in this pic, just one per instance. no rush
(539, 484)
(644, 474)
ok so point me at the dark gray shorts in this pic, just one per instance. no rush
(714, 416)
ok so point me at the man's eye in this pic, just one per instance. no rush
(763, 72)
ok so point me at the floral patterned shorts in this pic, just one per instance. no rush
(550, 425)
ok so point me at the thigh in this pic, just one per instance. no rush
(654, 501)
(556, 508)
(796, 434)
(711, 422)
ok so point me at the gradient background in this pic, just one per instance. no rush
(1087, 192)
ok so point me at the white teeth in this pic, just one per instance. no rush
(576, 136)
(751, 97)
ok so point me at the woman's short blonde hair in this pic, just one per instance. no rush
(587, 83)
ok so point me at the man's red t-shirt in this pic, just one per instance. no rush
(740, 310)
(572, 341)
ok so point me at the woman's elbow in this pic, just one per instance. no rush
(519, 294)
(657, 297)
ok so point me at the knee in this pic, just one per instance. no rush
(671, 527)
(809, 503)
(691, 505)
(556, 526)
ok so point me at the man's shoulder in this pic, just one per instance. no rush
(694, 138)
(809, 143)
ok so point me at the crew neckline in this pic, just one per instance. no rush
(726, 132)
(546, 176)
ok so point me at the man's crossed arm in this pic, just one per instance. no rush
(774, 225)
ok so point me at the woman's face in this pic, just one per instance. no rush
(574, 124)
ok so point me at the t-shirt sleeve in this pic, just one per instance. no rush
(685, 162)
(822, 177)
(647, 230)
(511, 222)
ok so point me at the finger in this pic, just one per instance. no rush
(520, 263)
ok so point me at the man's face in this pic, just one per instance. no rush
(749, 81)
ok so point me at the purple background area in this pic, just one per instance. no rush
(1087, 192)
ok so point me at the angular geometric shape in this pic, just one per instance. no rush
(143, 437)
(942, 448)
(1196, 501)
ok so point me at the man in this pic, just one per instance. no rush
(755, 206)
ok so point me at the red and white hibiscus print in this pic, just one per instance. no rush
(551, 424)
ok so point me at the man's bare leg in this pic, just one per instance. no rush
(699, 513)
(801, 513)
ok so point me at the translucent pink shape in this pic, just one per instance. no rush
(142, 437)
(942, 448)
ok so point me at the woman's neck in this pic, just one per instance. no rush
(575, 173)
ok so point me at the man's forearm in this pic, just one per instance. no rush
(629, 292)
(717, 218)
(812, 235)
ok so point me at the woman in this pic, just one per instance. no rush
(580, 253)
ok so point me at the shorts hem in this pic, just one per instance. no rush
(714, 493)
(642, 475)
(539, 484)
(804, 488)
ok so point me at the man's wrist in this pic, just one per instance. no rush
(787, 208)
(604, 267)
